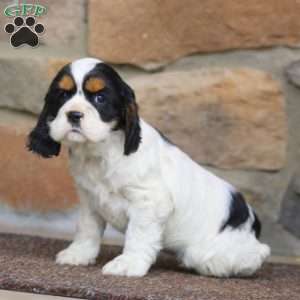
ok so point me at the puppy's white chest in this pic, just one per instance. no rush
(104, 194)
(113, 208)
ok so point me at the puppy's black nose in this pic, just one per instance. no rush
(74, 117)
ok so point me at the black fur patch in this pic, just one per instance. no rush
(39, 140)
(116, 101)
(256, 226)
(239, 211)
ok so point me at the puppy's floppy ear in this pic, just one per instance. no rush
(132, 121)
(129, 118)
(39, 140)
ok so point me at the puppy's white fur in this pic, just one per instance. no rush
(157, 196)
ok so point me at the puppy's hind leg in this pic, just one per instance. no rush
(86, 244)
(231, 253)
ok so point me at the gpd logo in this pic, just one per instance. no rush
(24, 30)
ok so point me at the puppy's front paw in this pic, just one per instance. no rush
(126, 265)
(75, 256)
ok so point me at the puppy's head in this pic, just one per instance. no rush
(86, 101)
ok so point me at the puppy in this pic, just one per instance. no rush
(128, 175)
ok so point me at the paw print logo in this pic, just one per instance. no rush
(24, 31)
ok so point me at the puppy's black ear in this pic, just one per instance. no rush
(132, 121)
(39, 140)
(129, 118)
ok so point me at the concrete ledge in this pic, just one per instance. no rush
(27, 264)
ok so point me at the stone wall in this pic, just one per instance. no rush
(159, 32)
(219, 65)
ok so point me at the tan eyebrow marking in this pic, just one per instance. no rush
(94, 85)
(66, 83)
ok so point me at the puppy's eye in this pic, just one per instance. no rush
(98, 99)
(65, 94)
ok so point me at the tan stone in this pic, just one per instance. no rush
(27, 182)
(226, 118)
(147, 32)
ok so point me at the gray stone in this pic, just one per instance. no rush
(26, 75)
(290, 210)
(297, 183)
(23, 83)
(293, 73)
(281, 241)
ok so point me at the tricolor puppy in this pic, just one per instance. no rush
(128, 175)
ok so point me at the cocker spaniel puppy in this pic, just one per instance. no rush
(128, 175)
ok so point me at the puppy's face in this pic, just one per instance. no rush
(86, 101)
(91, 105)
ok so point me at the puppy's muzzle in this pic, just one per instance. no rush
(74, 117)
